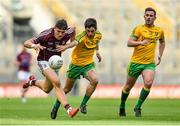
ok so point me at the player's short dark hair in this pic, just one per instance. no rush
(150, 9)
(90, 22)
(61, 24)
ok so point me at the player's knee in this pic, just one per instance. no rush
(66, 90)
(148, 84)
(47, 90)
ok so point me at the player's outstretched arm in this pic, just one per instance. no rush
(62, 48)
(30, 44)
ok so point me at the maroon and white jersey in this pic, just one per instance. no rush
(24, 59)
(47, 39)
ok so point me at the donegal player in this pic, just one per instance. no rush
(82, 63)
(144, 40)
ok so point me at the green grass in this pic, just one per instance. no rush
(100, 112)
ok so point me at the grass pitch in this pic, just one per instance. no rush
(100, 112)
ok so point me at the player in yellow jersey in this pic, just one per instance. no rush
(82, 63)
(144, 40)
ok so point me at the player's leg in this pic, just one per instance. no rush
(93, 79)
(133, 72)
(51, 81)
(67, 89)
(44, 85)
(148, 77)
(54, 79)
(73, 73)
(125, 93)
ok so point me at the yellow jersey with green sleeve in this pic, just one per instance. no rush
(83, 52)
(146, 54)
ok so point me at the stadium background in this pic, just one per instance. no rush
(20, 20)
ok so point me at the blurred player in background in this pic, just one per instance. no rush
(82, 63)
(144, 40)
(23, 62)
(51, 42)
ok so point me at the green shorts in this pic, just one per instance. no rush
(135, 69)
(74, 72)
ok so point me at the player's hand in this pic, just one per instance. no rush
(38, 47)
(144, 42)
(159, 61)
(98, 56)
(61, 48)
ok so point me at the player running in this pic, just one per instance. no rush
(144, 40)
(52, 42)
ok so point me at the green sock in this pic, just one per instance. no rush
(124, 96)
(57, 104)
(85, 100)
(143, 95)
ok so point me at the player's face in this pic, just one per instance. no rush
(149, 17)
(59, 33)
(90, 32)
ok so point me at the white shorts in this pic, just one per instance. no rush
(43, 65)
(23, 75)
